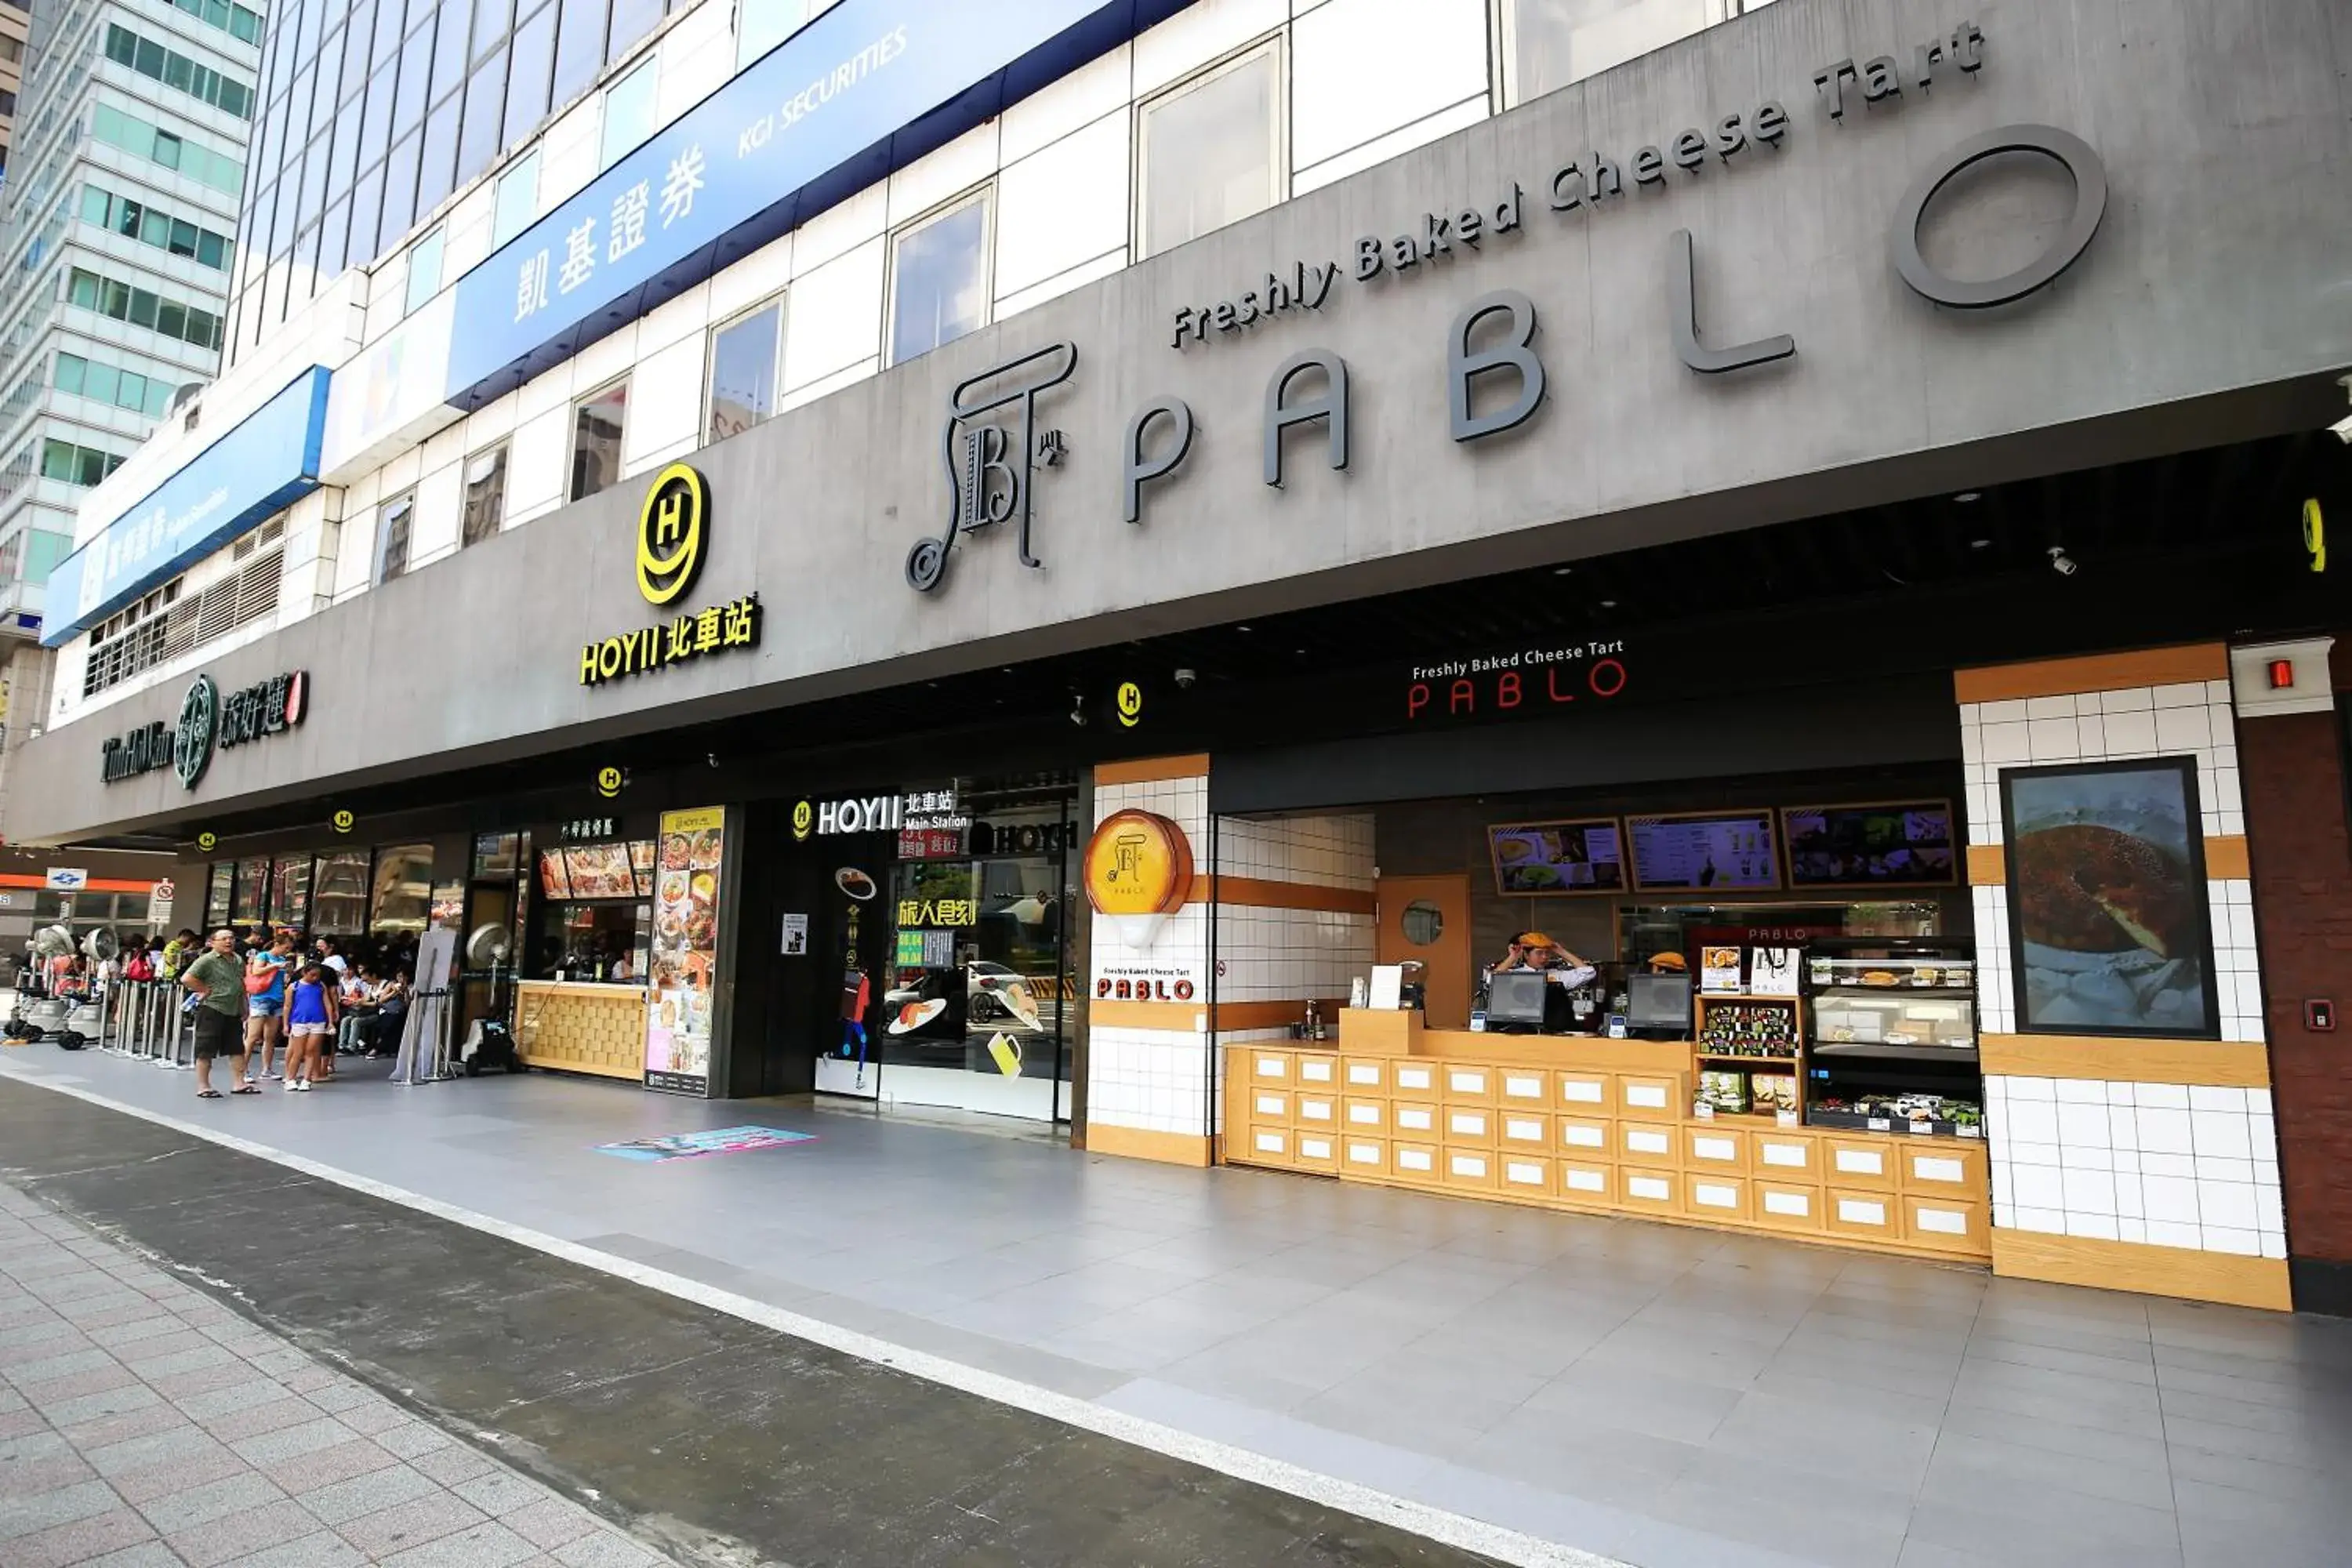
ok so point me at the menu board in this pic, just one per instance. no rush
(553, 879)
(601, 871)
(1717, 851)
(1550, 858)
(641, 866)
(1889, 845)
(686, 949)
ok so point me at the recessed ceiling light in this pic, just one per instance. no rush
(1965, 496)
(1608, 604)
(1980, 544)
(1241, 628)
(1562, 570)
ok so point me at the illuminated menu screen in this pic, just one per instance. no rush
(1702, 852)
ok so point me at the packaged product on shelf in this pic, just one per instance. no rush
(1772, 1092)
(1723, 1091)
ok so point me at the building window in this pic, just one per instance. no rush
(598, 424)
(743, 356)
(423, 270)
(1548, 44)
(394, 521)
(938, 278)
(1212, 151)
(761, 24)
(518, 199)
(629, 112)
(485, 494)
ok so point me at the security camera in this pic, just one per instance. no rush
(1185, 678)
(2342, 428)
(1078, 711)
(712, 759)
(2062, 563)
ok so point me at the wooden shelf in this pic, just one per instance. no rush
(1743, 996)
(1789, 1060)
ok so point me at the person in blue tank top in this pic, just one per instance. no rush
(265, 1003)
(310, 1020)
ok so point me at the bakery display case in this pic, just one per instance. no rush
(1891, 1039)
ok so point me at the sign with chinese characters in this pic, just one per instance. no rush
(673, 531)
(207, 720)
(589, 829)
(930, 827)
(919, 912)
(735, 166)
(993, 466)
(685, 979)
(915, 810)
(255, 469)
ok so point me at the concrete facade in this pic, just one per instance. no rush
(1886, 396)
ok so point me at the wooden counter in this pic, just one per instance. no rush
(1593, 1125)
(577, 1027)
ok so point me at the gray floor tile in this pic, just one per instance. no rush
(173, 1511)
(481, 1546)
(412, 1523)
(1989, 1463)
(29, 1514)
(340, 1502)
(323, 1549)
(242, 1534)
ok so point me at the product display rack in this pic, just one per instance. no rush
(1891, 1042)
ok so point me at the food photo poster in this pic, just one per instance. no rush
(2109, 924)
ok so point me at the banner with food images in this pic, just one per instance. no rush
(685, 973)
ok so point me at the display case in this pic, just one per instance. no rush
(1891, 1037)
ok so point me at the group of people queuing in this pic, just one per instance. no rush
(250, 994)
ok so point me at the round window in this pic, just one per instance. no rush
(1423, 922)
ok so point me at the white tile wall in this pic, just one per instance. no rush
(2165, 1164)
(1158, 1080)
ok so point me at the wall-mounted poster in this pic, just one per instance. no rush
(1717, 850)
(1550, 858)
(2108, 924)
(1892, 845)
(553, 879)
(686, 949)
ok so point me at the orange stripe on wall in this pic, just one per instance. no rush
(95, 885)
(2096, 672)
(1256, 893)
(1151, 770)
(2225, 861)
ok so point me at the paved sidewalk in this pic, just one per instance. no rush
(1667, 1396)
(143, 1425)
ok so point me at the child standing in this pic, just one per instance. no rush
(310, 1020)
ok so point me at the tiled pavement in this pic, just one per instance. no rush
(143, 1424)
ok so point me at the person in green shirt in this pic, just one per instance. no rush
(176, 954)
(217, 980)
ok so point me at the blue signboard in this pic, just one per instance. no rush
(863, 90)
(255, 470)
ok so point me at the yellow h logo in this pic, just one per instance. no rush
(669, 533)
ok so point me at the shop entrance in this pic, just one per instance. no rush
(919, 965)
(1426, 920)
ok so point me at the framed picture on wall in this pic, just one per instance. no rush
(1542, 859)
(2109, 929)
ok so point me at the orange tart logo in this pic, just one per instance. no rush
(1139, 871)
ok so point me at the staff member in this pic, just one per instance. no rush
(1534, 950)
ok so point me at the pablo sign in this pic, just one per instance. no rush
(1521, 680)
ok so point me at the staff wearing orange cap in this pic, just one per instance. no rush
(1534, 950)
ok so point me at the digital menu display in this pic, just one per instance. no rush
(1725, 849)
(601, 871)
(1888, 844)
(1543, 858)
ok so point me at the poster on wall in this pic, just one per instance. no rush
(686, 949)
(2108, 924)
(1548, 858)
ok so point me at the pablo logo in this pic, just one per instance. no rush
(804, 819)
(669, 533)
(990, 467)
(1139, 871)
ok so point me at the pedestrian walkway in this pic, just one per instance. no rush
(1670, 1397)
(143, 1425)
